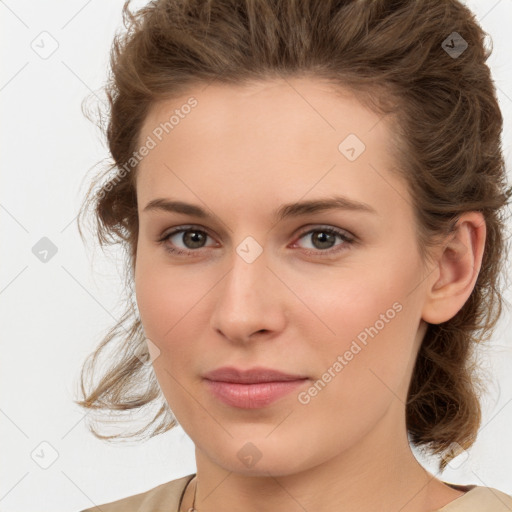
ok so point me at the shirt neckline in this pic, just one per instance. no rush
(184, 489)
(467, 489)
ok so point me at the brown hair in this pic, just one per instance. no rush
(402, 58)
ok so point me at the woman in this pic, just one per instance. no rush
(311, 197)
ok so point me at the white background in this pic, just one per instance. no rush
(53, 314)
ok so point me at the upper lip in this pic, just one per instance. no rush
(251, 375)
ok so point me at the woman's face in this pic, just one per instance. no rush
(263, 285)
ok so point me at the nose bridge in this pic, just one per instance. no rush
(245, 281)
(245, 303)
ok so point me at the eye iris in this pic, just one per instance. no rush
(193, 236)
(321, 236)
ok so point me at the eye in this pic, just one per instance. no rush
(193, 238)
(324, 238)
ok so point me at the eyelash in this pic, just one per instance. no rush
(348, 240)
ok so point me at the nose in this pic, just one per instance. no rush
(249, 301)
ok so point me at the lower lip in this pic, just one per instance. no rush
(252, 396)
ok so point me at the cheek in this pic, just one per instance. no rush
(372, 320)
(163, 313)
(379, 352)
(153, 304)
(345, 305)
(164, 294)
(361, 379)
(170, 302)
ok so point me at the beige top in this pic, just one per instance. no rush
(167, 497)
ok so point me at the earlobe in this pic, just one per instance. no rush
(458, 265)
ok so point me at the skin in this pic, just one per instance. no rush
(241, 153)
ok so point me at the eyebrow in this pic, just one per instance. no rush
(283, 212)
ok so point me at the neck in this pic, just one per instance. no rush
(375, 474)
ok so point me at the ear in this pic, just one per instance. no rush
(456, 269)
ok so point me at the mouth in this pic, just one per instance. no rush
(251, 389)
(256, 375)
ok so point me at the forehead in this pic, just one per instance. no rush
(308, 106)
(298, 134)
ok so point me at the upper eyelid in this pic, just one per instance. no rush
(181, 229)
(301, 233)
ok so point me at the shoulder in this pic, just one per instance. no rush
(480, 499)
(163, 497)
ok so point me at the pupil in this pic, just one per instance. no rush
(193, 236)
(322, 238)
